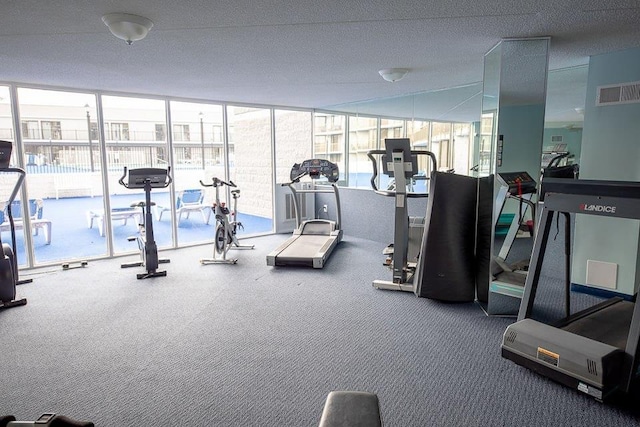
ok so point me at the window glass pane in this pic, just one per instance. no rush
(441, 144)
(62, 160)
(389, 128)
(462, 148)
(293, 141)
(293, 145)
(132, 142)
(487, 135)
(250, 166)
(363, 137)
(197, 156)
(329, 139)
(418, 131)
(6, 118)
(8, 181)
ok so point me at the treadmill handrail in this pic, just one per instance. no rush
(391, 193)
(588, 197)
(296, 203)
(215, 182)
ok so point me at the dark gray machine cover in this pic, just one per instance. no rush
(446, 269)
(484, 237)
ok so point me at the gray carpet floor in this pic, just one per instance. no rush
(252, 345)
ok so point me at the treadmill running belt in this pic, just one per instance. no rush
(609, 325)
(303, 250)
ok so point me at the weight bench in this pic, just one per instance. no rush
(351, 409)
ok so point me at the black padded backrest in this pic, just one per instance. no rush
(446, 268)
(484, 237)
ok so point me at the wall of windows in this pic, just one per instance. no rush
(74, 146)
(363, 137)
(198, 155)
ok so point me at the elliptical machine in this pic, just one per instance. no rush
(400, 162)
(146, 178)
(225, 234)
(8, 253)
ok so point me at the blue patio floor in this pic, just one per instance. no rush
(71, 238)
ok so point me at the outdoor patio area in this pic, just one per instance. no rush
(75, 228)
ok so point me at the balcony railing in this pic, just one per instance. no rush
(67, 157)
(73, 136)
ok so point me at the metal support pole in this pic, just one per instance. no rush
(202, 137)
(89, 137)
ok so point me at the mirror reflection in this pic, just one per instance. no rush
(517, 70)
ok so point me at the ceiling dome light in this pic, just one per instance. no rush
(393, 74)
(127, 27)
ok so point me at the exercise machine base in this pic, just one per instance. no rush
(391, 286)
(48, 419)
(151, 274)
(72, 265)
(206, 261)
(14, 303)
(148, 274)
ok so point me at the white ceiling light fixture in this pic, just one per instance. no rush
(393, 74)
(127, 27)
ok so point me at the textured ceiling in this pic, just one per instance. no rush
(303, 53)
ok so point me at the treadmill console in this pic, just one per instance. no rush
(518, 182)
(157, 177)
(399, 147)
(315, 168)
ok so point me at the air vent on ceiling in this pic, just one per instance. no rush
(626, 93)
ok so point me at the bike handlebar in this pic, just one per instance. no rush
(217, 181)
(121, 180)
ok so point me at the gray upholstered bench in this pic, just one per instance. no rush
(351, 409)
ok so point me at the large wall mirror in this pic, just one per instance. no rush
(512, 127)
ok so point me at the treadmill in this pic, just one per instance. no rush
(595, 350)
(313, 240)
(509, 279)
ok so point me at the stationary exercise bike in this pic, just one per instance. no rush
(146, 178)
(226, 228)
(8, 253)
